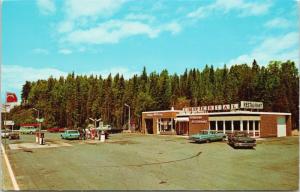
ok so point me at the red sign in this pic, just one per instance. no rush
(197, 120)
(11, 98)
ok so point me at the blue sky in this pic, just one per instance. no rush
(54, 37)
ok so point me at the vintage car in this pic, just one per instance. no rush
(28, 130)
(14, 135)
(53, 129)
(208, 136)
(5, 133)
(241, 139)
(70, 134)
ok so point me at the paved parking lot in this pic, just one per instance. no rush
(129, 161)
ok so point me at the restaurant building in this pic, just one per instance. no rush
(225, 118)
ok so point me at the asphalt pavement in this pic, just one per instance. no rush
(134, 161)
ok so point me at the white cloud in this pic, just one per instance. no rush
(278, 23)
(283, 47)
(81, 14)
(65, 51)
(92, 8)
(84, 24)
(244, 8)
(65, 26)
(40, 51)
(114, 30)
(140, 17)
(173, 27)
(46, 7)
(14, 76)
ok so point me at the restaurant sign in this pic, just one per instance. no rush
(251, 105)
(225, 107)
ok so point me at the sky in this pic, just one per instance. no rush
(55, 37)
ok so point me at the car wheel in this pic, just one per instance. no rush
(234, 145)
(207, 141)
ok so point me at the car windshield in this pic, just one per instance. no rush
(72, 131)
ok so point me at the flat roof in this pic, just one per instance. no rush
(162, 111)
(234, 113)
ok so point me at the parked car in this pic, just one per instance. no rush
(5, 133)
(241, 139)
(70, 134)
(28, 130)
(208, 136)
(53, 129)
(14, 135)
(62, 129)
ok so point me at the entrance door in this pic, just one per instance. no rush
(149, 125)
(281, 127)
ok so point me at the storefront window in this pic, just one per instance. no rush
(220, 125)
(245, 125)
(251, 125)
(165, 124)
(236, 125)
(228, 125)
(212, 125)
(256, 125)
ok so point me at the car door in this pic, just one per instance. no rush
(212, 136)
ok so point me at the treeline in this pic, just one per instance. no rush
(70, 101)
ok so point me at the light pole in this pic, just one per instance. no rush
(95, 121)
(38, 120)
(129, 127)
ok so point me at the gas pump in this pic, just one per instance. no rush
(42, 141)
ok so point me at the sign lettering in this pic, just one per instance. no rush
(251, 105)
(9, 123)
(225, 107)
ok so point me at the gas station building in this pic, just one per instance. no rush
(225, 118)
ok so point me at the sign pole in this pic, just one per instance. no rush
(5, 120)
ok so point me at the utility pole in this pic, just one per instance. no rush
(38, 119)
(129, 127)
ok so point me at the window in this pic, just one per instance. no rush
(212, 125)
(236, 125)
(251, 125)
(245, 125)
(228, 125)
(165, 124)
(256, 125)
(220, 125)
